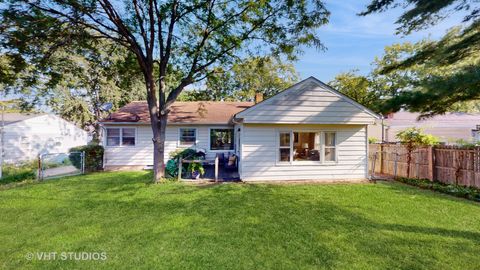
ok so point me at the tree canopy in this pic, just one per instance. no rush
(454, 56)
(267, 75)
(191, 37)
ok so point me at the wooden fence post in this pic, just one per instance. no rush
(395, 166)
(431, 163)
(381, 159)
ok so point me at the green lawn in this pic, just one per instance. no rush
(236, 226)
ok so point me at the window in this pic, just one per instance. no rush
(221, 139)
(303, 146)
(113, 136)
(188, 136)
(120, 136)
(128, 136)
(330, 143)
(307, 146)
(284, 147)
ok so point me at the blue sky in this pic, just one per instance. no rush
(353, 42)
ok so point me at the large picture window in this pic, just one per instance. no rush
(306, 146)
(188, 136)
(121, 137)
(221, 139)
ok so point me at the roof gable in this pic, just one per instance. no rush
(311, 102)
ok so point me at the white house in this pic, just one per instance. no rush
(307, 132)
(27, 135)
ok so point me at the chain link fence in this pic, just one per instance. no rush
(53, 165)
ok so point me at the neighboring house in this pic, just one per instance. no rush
(27, 135)
(307, 132)
(449, 127)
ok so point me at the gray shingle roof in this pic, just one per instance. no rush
(11, 118)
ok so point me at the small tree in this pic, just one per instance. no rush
(414, 138)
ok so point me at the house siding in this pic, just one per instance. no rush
(259, 153)
(308, 103)
(25, 140)
(142, 153)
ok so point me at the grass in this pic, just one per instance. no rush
(19, 172)
(236, 226)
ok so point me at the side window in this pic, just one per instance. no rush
(113, 136)
(330, 146)
(187, 136)
(284, 147)
(128, 136)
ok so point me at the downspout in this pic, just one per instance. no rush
(102, 142)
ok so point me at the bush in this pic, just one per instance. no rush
(19, 172)
(93, 157)
(470, 193)
(184, 153)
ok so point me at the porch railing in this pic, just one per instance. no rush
(201, 161)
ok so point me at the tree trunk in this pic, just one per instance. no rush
(158, 121)
(159, 129)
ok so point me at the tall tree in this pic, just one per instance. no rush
(267, 75)
(78, 82)
(456, 51)
(193, 36)
(357, 87)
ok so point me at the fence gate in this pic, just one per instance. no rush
(54, 165)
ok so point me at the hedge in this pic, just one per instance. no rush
(470, 193)
(93, 157)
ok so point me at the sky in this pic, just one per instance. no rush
(353, 41)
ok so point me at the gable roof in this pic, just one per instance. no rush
(298, 86)
(11, 118)
(195, 112)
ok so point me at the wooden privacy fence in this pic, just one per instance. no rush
(446, 164)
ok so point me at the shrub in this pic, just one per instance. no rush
(19, 172)
(172, 168)
(93, 157)
(184, 153)
(471, 193)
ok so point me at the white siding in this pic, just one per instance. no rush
(309, 102)
(142, 153)
(25, 140)
(259, 154)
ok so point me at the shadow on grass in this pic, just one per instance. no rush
(241, 226)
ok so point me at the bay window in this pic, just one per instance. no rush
(306, 147)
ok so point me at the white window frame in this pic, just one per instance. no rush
(324, 146)
(305, 162)
(121, 137)
(221, 150)
(179, 144)
(277, 150)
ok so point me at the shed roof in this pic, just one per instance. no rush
(11, 118)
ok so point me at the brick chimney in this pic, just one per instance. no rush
(258, 97)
